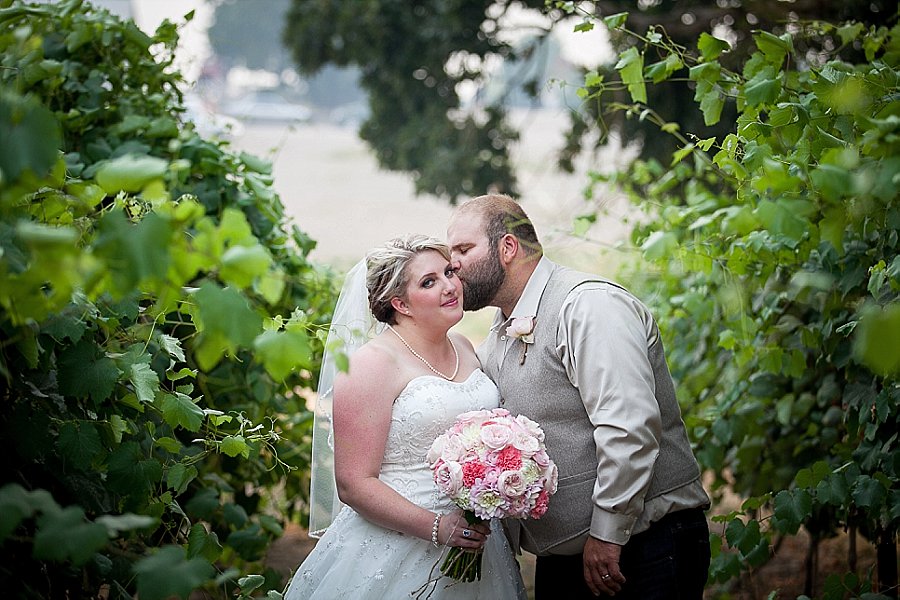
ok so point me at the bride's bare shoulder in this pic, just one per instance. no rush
(373, 368)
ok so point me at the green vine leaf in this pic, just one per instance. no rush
(711, 47)
(169, 573)
(283, 351)
(65, 535)
(130, 173)
(180, 410)
(708, 92)
(79, 443)
(631, 69)
(85, 371)
(792, 509)
(203, 544)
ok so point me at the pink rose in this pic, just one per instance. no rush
(511, 484)
(551, 475)
(526, 443)
(453, 449)
(449, 478)
(532, 428)
(495, 435)
(541, 458)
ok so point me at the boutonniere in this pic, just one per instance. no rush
(522, 328)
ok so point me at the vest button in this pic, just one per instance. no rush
(502, 338)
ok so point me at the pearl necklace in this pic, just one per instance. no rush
(428, 364)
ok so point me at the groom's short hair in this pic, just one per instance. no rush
(501, 215)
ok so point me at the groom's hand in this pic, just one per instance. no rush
(601, 567)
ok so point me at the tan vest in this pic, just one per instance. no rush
(541, 390)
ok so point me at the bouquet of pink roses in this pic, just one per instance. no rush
(491, 464)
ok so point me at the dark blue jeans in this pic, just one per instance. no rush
(669, 561)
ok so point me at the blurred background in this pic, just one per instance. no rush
(243, 86)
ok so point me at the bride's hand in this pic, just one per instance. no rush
(454, 531)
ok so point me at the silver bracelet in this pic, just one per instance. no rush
(434, 529)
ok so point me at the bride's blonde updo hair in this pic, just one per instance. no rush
(386, 275)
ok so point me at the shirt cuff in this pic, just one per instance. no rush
(612, 527)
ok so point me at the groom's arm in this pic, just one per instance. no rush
(603, 341)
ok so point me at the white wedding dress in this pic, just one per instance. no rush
(358, 559)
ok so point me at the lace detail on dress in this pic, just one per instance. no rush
(357, 559)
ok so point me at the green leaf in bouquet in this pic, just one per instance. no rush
(616, 20)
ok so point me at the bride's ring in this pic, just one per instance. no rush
(467, 533)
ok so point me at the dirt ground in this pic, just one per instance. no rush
(785, 572)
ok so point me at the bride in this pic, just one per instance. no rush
(404, 388)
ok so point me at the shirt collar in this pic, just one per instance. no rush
(531, 296)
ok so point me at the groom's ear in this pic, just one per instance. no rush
(507, 248)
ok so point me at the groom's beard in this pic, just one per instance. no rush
(481, 282)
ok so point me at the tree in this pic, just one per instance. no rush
(250, 41)
(771, 260)
(415, 57)
(159, 322)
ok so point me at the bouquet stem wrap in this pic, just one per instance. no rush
(462, 564)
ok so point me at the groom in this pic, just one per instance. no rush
(584, 359)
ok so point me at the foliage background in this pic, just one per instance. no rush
(160, 322)
(155, 301)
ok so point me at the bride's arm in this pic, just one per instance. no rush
(363, 400)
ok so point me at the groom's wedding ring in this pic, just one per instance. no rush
(467, 533)
(604, 577)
